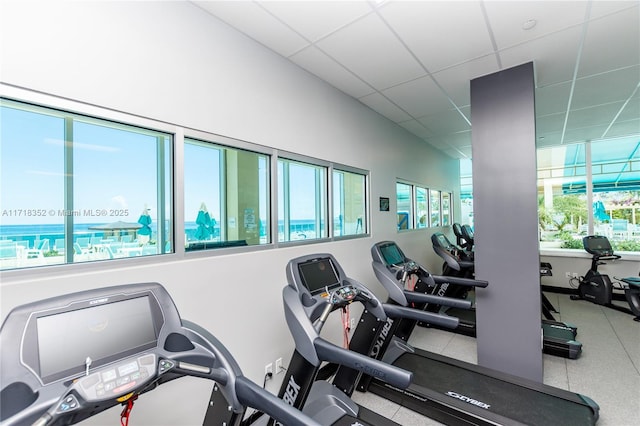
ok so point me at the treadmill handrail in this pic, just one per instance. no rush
(397, 311)
(256, 397)
(468, 282)
(416, 297)
(387, 373)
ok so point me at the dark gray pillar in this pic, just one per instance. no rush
(506, 222)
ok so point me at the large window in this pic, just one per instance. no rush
(420, 207)
(349, 203)
(575, 203)
(590, 188)
(226, 193)
(435, 208)
(302, 201)
(404, 204)
(78, 189)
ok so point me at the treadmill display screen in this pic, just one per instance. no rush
(318, 274)
(101, 333)
(391, 254)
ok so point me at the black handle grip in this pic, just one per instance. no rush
(412, 296)
(397, 311)
(252, 395)
(387, 373)
(467, 282)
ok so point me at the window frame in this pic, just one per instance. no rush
(42, 103)
(175, 194)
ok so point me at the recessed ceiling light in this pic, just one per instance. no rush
(528, 24)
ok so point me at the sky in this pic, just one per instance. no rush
(114, 173)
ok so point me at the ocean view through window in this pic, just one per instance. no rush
(81, 183)
(77, 189)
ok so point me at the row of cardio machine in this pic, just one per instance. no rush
(121, 342)
(380, 360)
(559, 338)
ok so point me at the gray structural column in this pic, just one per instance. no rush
(506, 222)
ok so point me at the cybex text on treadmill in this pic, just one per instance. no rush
(469, 400)
(381, 338)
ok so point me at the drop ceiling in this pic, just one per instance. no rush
(412, 61)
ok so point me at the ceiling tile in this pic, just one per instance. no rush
(607, 87)
(418, 97)
(255, 22)
(316, 62)
(456, 81)
(507, 17)
(550, 123)
(548, 139)
(424, 26)
(380, 104)
(315, 19)
(417, 128)
(611, 42)
(445, 122)
(458, 152)
(603, 8)
(632, 110)
(460, 139)
(369, 49)
(552, 99)
(584, 134)
(597, 115)
(625, 128)
(554, 56)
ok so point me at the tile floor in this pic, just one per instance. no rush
(608, 370)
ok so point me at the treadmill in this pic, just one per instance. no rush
(318, 286)
(558, 336)
(452, 391)
(70, 357)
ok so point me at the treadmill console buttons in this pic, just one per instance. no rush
(165, 365)
(119, 379)
(68, 404)
(343, 295)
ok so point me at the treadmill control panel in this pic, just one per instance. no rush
(119, 379)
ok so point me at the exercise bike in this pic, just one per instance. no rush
(599, 288)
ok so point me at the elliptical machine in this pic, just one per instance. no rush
(598, 288)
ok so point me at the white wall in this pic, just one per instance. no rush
(170, 61)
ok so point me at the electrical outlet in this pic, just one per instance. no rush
(279, 368)
(268, 369)
(352, 323)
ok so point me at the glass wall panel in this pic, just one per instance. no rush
(422, 207)
(562, 199)
(77, 189)
(302, 201)
(616, 196)
(32, 183)
(404, 203)
(446, 209)
(226, 195)
(435, 204)
(466, 192)
(349, 203)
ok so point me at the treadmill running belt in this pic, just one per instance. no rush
(507, 399)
